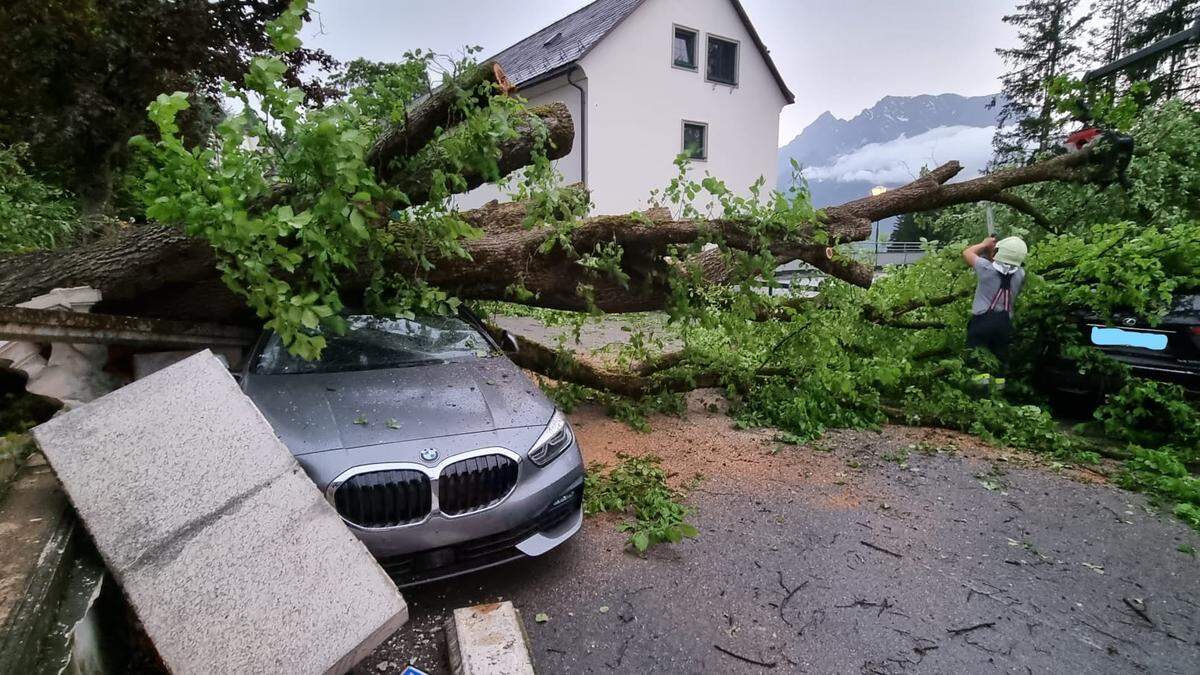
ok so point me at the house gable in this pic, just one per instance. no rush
(554, 49)
(644, 110)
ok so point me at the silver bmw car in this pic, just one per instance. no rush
(437, 451)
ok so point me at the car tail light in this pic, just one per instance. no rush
(1196, 336)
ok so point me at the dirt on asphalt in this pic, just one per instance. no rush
(898, 550)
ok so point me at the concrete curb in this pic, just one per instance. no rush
(32, 612)
(488, 639)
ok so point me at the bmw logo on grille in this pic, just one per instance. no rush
(1129, 321)
(429, 454)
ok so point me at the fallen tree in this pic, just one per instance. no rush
(158, 270)
(286, 224)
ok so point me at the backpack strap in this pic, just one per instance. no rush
(1003, 297)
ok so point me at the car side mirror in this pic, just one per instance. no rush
(508, 342)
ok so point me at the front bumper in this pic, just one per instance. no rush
(543, 510)
(552, 527)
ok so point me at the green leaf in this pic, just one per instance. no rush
(641, 541)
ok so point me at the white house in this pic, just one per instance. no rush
(646, 80)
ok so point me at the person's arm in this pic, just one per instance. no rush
(985, 249)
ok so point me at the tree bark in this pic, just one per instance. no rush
(650, 377)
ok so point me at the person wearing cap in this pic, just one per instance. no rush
(997, 267)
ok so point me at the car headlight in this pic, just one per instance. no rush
(556, 438)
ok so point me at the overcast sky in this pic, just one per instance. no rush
(837, 55)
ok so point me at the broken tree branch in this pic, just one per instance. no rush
(633, 381)
(1021, 205)
(441, 110)
(516, 152)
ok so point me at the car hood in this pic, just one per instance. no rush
(325, 411)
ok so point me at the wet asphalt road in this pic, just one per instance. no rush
(940, 564)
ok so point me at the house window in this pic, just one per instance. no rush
(722, 60)
(695, 140)
(683, 48)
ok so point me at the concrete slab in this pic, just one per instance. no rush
(228, 553)
(488, 639)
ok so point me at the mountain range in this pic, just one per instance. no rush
(888, 143)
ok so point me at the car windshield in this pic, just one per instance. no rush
(373, 343)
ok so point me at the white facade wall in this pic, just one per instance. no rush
(637, 103)
(557, 89)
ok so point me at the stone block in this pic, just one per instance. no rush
(488, 639)
(230, 556)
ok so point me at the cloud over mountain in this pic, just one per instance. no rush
(900, 160)
(888, 143)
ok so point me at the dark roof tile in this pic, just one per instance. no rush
(563, 42)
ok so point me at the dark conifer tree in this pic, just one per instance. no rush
(1111, 25)
(1172, 73)
(1050, 34)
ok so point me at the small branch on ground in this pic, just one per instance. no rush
(880, 549)
(747, 659)
(967, 629)
(1139, 607)
(789, 593)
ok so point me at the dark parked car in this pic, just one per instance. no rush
(433, 446)
(1169, 351)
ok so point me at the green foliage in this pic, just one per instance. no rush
(633, 412)
(34, 215)
(1152, 413)
(638, 486)
(327, 215)
(1105, 108)
(382, 91)
(1163, 474)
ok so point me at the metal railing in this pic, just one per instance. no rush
(800, 278)
(884, 253)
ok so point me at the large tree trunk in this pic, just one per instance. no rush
(158, 271)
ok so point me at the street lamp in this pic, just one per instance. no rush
(875, 192)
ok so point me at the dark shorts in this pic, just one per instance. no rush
(992, 331)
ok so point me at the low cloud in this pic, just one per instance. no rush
(900, 160)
